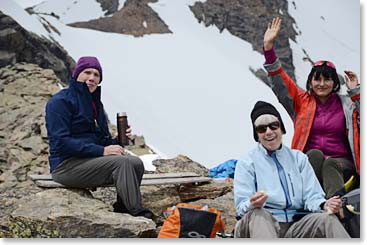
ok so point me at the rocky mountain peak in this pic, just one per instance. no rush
(135, 18)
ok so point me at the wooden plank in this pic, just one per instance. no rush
(48, 184)
(170, 175)
(175, 181)
(164, 181)
(145, 176)
(40, 177)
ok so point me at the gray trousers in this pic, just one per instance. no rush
(125, 172)
(331, 172)
(259, 223)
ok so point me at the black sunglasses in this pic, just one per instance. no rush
(262, 128)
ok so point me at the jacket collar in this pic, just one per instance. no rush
(83, 88)
(265, 151)
(333, 96)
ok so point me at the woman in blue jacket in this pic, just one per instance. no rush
(82, 151)
(273, 183)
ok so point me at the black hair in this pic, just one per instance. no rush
(327, 72)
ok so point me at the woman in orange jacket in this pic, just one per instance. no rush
(326, 123)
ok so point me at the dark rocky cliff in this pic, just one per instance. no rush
(19, 45)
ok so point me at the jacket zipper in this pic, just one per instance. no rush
(291, 183)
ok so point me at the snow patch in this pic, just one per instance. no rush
(71, 11)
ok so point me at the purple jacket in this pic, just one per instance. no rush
(328, 131)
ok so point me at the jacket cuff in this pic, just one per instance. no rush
(354, 93)
(270, 55)
(244, 207)
(320, 206)
(274, 67)
(99, 150)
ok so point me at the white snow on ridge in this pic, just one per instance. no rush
(27, 21)
(71, 11)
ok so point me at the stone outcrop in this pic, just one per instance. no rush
(248, 20)
(24, 91)
(135, 18)
(179, 164)
(19, 45)
(73, 213)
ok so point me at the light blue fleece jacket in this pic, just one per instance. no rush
(257, 171)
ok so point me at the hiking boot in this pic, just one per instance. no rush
(145, 213)
(119, 207)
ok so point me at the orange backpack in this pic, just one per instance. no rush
(191, 221)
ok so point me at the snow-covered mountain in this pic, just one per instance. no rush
(191, 91)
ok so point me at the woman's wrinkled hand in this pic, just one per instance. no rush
(258, 199)
(333, 205)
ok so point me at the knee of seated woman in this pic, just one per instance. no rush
(330, 163)
(324, 216)
(315, 153)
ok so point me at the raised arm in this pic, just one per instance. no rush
(271, 33)
(351, 79)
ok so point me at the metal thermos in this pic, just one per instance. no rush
(122, 125)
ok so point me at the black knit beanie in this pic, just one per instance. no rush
(262, 108)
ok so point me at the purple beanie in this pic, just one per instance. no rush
(87, 62)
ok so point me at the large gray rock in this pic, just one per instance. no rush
(73, 213)
(25, 90)
(180, 163)
(211, 190)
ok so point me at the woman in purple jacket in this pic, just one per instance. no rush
(326, 123)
